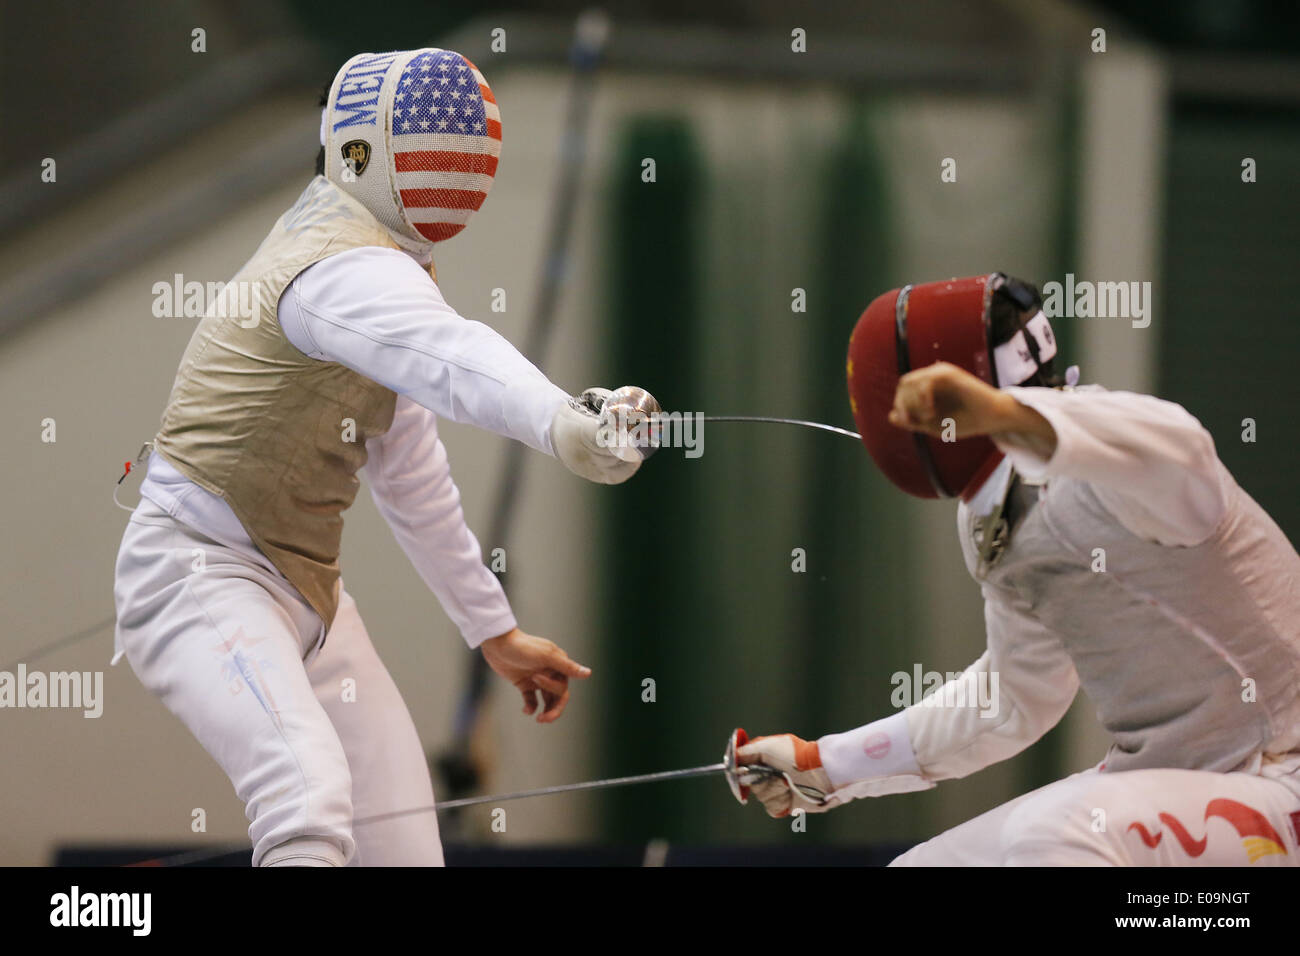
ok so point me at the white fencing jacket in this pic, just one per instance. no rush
(1138, 570)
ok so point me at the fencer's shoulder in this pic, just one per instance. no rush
(1099, 396)
(367, 272)
(1116, 394)
(1155, 405)
(1050, 392)
(384, 259)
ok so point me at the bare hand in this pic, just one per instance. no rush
(943, 398)
(535, 666)
(949, 402)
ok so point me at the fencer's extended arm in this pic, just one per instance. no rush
(1150, 462)
(410, 480)
(1018, 690)
(377, 312)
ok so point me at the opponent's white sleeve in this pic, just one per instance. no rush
(1150, 462)
(410, 480)
(1017, 691)
(378, 312)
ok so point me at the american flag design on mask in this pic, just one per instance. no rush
(446, 141)
(415, 135)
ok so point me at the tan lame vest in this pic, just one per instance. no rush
(278, 435)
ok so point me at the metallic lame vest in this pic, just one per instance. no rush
(278, 435)
(1190, 655)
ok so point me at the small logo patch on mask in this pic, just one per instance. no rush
(356, 155)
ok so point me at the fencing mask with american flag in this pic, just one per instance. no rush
(415, 136)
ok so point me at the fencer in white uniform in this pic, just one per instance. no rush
(231, 607)
(1114, 552)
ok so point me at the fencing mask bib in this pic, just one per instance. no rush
(415, 136)
(918, 325)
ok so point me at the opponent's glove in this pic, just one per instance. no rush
(800, 761)
(575, 438)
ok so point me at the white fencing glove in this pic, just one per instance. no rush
(800, 762)
(574, 436)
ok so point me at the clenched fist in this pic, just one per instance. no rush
(949, 402)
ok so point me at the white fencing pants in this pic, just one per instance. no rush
(1134, 818)
(312, 736)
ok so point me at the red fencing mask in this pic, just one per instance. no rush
(907, 329)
